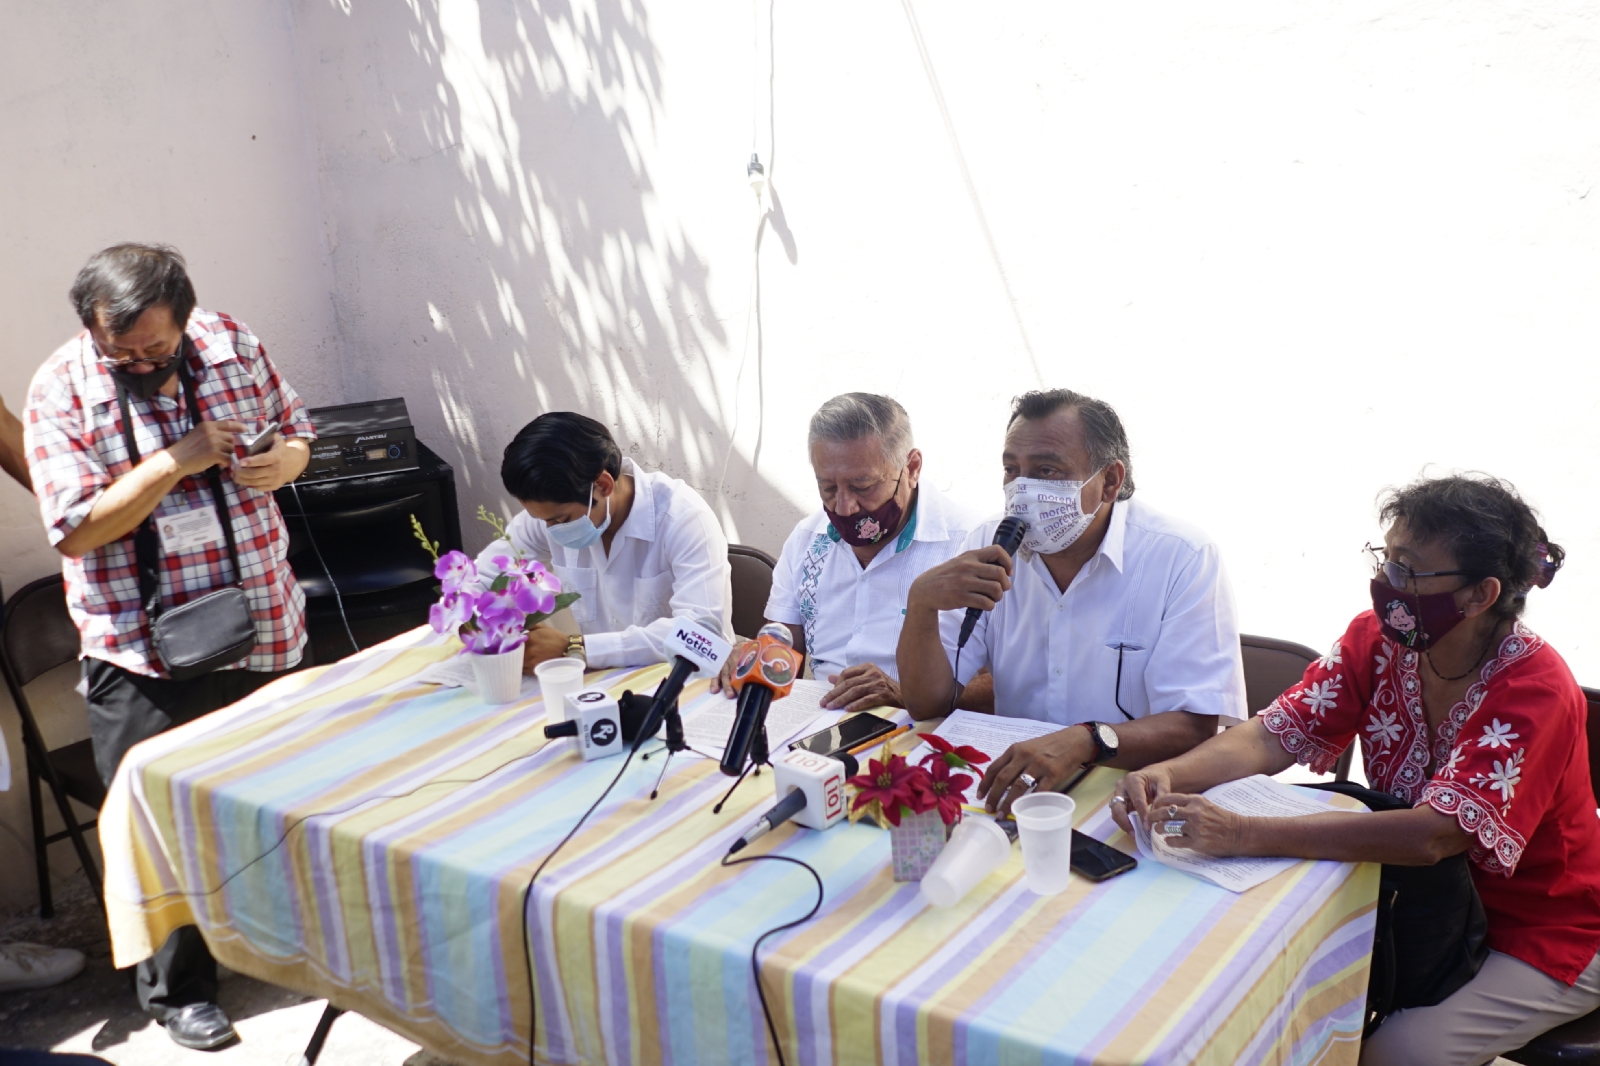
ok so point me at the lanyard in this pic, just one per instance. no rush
(146, 544)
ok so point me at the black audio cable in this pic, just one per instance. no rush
(755, 962)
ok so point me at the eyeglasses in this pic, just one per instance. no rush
(1400, 575)
(124, 357)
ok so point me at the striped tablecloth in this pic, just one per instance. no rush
(351, 833)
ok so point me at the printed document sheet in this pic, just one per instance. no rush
(1258, 797)
(989, 733)
(707, 726)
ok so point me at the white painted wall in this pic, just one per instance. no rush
(1306, 249)
(170, 120)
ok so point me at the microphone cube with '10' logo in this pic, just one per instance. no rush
(820, 778)
(599, 723)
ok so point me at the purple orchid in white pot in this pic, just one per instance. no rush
(493, 622)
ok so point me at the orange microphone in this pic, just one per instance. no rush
(764, 670)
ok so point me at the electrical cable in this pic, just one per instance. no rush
(955, 675)
(527, 895)
(755, 962)
(298, 822)
(337, 598)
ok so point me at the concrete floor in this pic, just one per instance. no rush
(96, 1012)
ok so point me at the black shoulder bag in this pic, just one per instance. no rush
(1431, 936)
(212, 630)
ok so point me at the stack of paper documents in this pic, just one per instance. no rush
(989, 733)
(1259, 797)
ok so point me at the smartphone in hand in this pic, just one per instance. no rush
(261, 441)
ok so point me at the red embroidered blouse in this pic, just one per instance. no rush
(1510, 762)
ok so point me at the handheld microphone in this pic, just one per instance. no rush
(691, 649)
(810, 788)
(765, 671)
(1008, 534)
(601, 724)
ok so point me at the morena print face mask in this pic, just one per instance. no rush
(1053, 510)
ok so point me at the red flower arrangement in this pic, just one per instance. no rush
(892, 788)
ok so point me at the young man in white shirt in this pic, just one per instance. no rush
(640, 548)
(842, 580)
(1113, 621)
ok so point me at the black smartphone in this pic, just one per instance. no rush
(1097, 861)
(849, 733)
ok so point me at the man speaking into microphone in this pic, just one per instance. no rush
(1113, 620)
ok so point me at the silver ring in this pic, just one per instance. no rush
(1029, 780)
(1172, 812)
(1119, 799)
(1172, 829)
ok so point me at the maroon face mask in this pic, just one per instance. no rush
(865, 528)
(1413, 620)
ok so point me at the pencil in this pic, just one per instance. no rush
(875, 741)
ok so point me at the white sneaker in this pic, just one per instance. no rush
(36, 966)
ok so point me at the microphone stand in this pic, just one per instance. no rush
(675, 741)
(759, 756)
(675, 744)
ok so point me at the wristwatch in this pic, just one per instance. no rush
(576, 650)
(1105, 741)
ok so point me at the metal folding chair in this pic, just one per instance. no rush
(37, 636)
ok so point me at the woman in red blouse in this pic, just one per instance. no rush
(1468, 716)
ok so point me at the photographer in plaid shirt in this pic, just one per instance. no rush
(141, 327)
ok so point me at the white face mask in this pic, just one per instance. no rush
(581, 532)
(1053, 511)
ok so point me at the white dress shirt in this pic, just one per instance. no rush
(669, 560)
(853, 614)
(1155, 594)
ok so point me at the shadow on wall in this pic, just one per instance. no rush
(498, 247)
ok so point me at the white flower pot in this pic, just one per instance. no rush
(499, 677)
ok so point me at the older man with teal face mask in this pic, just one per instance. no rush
(640, 548)
(1114, 621)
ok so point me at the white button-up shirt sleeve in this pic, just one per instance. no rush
(525, 537)
(696, 553)
(975, 655)
(1196, 664)
(783, 602)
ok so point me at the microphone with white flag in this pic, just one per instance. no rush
(810, 791)
(691, 648)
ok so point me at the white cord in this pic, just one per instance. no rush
(752, 304)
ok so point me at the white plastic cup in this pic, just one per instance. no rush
(976, 848)
(1044, 828)
(558, 679)
(498, 677)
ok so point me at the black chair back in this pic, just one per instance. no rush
(1271, 668)
(752, 584)
(38, 635)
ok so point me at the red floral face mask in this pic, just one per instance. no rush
(1414, 620)
(865, 528)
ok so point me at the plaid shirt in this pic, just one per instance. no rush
(76, 450)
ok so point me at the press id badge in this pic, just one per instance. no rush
(188, 530)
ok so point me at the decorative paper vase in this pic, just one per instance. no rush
(499, 677)
(915, 843)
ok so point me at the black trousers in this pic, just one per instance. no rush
(125, 708)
